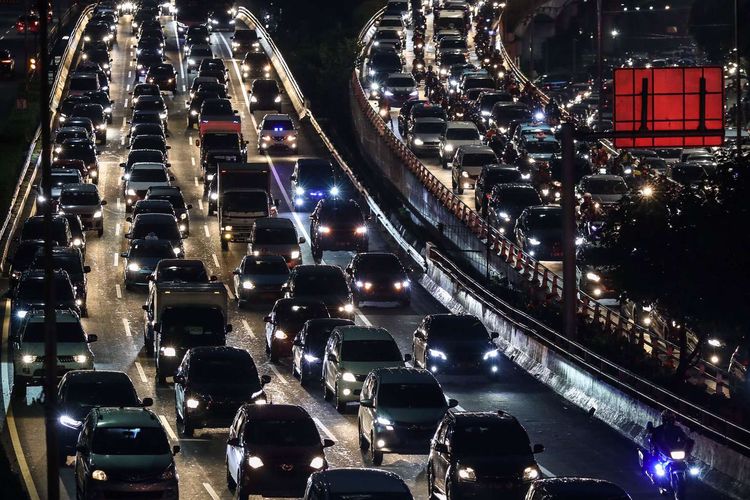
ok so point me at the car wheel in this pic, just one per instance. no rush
(273, 354)
(100, 232)
(240, 493)
(450, 494)
(340, 405)
(303, 379)
(430, 483)
(376, 456)
(362, 439)
(231, 485)
(19, 388)
(184, 427)
(84, 312)
(224, 245)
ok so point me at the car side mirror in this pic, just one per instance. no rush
(267, 319)
(265, 379)
(128, 219)
(175, 449)
(229, 328)
(169, 147)
(327, 443)
(123, 165)
(103, 202)
(145, 307)
(233, 441)
(128, 235)
(302, 240)
(91, 337)
(146, 402)
(366, 403)
(189, 206)
(197, 143)
(407, 357)
(86, 269)
(440, 447)
(538, 448)
(494, 335)
(179, 379)
(452, 403)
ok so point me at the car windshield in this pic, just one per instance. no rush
(92, 392)
(689, 173)
(84, 84)
(605, 186)
(72, 265)
(33, 289)
(478, 159)
(380, 264)
(265, 267)
(423, 395)
(69, 178)
(280, 433)
(370, 350)
(450, 59)
(512, 114)
(163, 230)
(34, 230)
(429, 128)
(400, 82)
(462, 134)
(320, 283)
(315, 175)
(192, 325)
(546, 219)
(386, 61)
(130, 441)
(256, 58)
(276, 236)
(278, 125)
(224, 370)
(477, 83)
(161, 71)
(148, 175)
(220, 141)
(429, 112)
(597, 255)
(344, 214)
(488, 101)
(254, 203)
(520, 197)
(452, 43)
(299, 313)
(144, 251)
(265, 86)
(70, 332)
(457, 329)
(79, 198)
(490, 440)
(542, 147)
(187, 273)
(149, 105)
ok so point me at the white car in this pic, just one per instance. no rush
(277, 131)
(457, 134)
(142, 176)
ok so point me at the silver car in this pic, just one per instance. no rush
(277, 131)
(457, 134)
(83, 200)
(424, 135)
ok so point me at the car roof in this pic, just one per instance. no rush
(125, 417)
(274, 222)
(404, 374)
(577, 486)
(544, 208)
(152, 203)
(171, 190)
(400, 75)
(603, 177)
(61, 316)
(513, 186)
(228, 352)
(264, 258)
(482, 417)
(276, 411)
(274, 116)
(452, 124)
(180, 263)
(165, 218)
(355, 332)
(148, 165)
(428, 119)
(317, 269)
(102, 375)
(476, 148)
(360, 480)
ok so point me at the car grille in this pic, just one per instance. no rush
(61, 359)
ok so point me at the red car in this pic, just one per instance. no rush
(28, 23)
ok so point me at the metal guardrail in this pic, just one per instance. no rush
(30, 167)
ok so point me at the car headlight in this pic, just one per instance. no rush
(267, 67)
(108, 109)
(163, 116)
(490, 355)
(530, 473)
(348, 377)
(140, 66)
(68, 422)
(346, 308)
(88, 38)
(169, 352)
(183, 227)
(467, 474)
(504, 216)
(334, 191)
(448, 147)
(438, 354)
(214, 196)
(310, 358)
(98, 214)
(192, 403)
(41, 198)
(28, 358)
(324, 229)
(295, 254)
(465, 174)
(579, 240)
(534, 241)
(191, 61)
(280, 334)
(245, 67)
(183, 216)
(134, 267)
(593, 277)
(193, 112)
(131, 192)
(99, 475)
(253, 98)
(317, 462)
(102, 126)
(254, 462)
(77, 242)
(388, 93)
(383, 421)
(80, 358)
(247, 285)
(418, 141)
(106, 66)
(277, 99)
(361, 230)
(79, 302)
(177, 250)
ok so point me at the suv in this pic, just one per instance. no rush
(378, 276)
(83, 200)
(277, 131)
(256, 64)
(350, 354)
(29, 294)
(490, 176)
(337, 225)
(265, 93)
(124, 451)
(321, 282)
(424, 135)
(276, 236)
(457, 134)
(272, 450)
(309, 345)
(259, 278)
(468, 163)
(142, 258)
(73, 352)
(399, 411)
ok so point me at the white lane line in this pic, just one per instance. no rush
(205, 230)
(179, 51)
(127, 88)
(242, 85)
(119, 204)
(195, 180)
(278, 374)
(118, 291)
(126, 103)
(192, 162)
(7, 366)
(130, 74)
(363, 319)
(117, 259)
(184, 88)
(324, 429)
(124, 121)
(126, 324)
(141, 372)
(168, 428)
(200, 204)
(216, 260)
(247, 328)
(545, 471)
(117, 229)
(20, 457)
(211, 491)
(229, 292)
(190, 141)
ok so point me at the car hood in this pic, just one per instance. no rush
(542, 156)
(427, 137)
(147, 262)
(142, 186)
(131, 465)
(456, 143)
(242, 392)
(63, 348)
(381, 277)
(365, 367)
(329, 299)
(297, 455)
(422, 416)
(606, 198)
(546, 235)
(266, 279)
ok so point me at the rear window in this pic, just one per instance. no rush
(281, 433)
(265, 86)
(264, 267)
(400, 82)
(84, 84)
(429, 128)
(478, 159)
(462, 134)
(276, 236)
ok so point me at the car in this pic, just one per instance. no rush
(424, 135)
(211, 384)
(143, 116)
(386, 36)
(313, 179)
(84, 201)
(163, 75)
(476, 454)
(399, 412)
(76, 232)
(180, 271)
(196, 54)
(398, 88)
(146, 129)
(690, 175)
(101, 97)
(246, 40)
(141, 259)
(504, 114)
(403, 113)
(507, 201)
(219, 73)
(221, 20)
(152, 105)
(605, 189)
(277, 131)
(467, 165)
(149, 156)
(65, 109)
(173, 194)
(93, 70)
(276, 236)
(97, 32)
(27, 23)
(7, 63)
(272, 450)
(598, 266)
(560, 488)
(256, 65)
(364, 484)
(259, 278)
(58, 178)
(197, 33)
(265, 93)
(22, 259)
(157, 226)
(73, 352)
(457, 134)
(143, 89)
(79, 83)
(337, 225)
(34, 228)
(286, 320)
(125, 451)
(81, 149)
(489, 177)
(207, 83)
(79, 391)
(378, 276)
(380, 64)
(194, 105)
(141, 177)
(538, 232)
(70, 260)
(326, 283)
(309, 345)
(437, 348)
(98, 53)
(421, 109)
(147, 58)
(350, 354)
(481, 109)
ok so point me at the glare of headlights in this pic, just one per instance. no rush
(247, 285)
(192, 403)
(28, 358)
(593, 277)
(77, 242)
(80, 358)
(280, 334)
(348, 377)
(295, 254)
(169, 352)
(317, 463)
(134, 267)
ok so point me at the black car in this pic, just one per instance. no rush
(79, 391)
(70, 260)
(163, 75)
(197, 34)
(326, 283)
(195, 103)
(101, 97)
(64, 133)
(245, 41)
(58, 178)
(375, 276)
(29, 294)
(95, 113)
(97, 32)
(220, 74)
(151, 207)
(539, 232)
(141, 260)
(173, 194)
(309, 345)
(272, 450)
(146, 129)
(488, 178)
(265, 93)
(150, 142)
(438, 347)
(81, 149)
(7, 63)
(337, 225)
(313, 179)
(142, 156)
(34, 229)
(157, 226)
(181, 271)
(197, 53)
(141, 89)
(144, 61)
(23, 256)
(65, 109)
(221, 20)
(256, 65)
(84, 123)
(259, 278)
(575, 487)
(211, 384)
(286, 320)
(477, 454)
(77, 231)
(506, 203)
(152, 104)
(98, 53)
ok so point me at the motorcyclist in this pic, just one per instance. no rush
(589, 209)
(418, 44)
(384, 108)
(552, 110)
(417, 69)
(457, 110)
(431, 81)
(668, 436)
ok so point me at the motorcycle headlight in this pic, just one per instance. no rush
(99, 475)
(41, 198)
(448, 148)
(438, 354)
(346, 308)
(310, 358)
(361, 230)
(530, 473)
(169, 352)
(467, 474)
(317, 463)
(490, 355)
(388, 93)
(214, 196)
(193, 112)
(348, 377)
(77, 242)
(108, 109)
(177, 251)
(334, 191)
(28, 358)
(68, 422)
(374, 85)
(324, 229)
(677, 455)
(383, 420)
(191, 61)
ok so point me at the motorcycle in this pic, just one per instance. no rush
(668, 469)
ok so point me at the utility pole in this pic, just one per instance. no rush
(50, 330)
(570, 285)
(738, 78)
(600, 63)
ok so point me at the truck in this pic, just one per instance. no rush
(219, 147)
(179, 316)
(242, 196)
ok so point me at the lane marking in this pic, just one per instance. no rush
(216, 260)
(211, 491)
(205, 230)
(117, 259)
(118, 291)
(117, 229)
(229, 292)
(168, 428)
(363, 319)
(195, 179)
(200, 204)
(192, 162)
(126, 324)
(247, 328)
(124, 121)
(130, 74)
(278, 374)
(126, 103)
(127, 88)
(119, 204)
(324, 429)
(141, 372)
(6, 372)
(545, 471)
